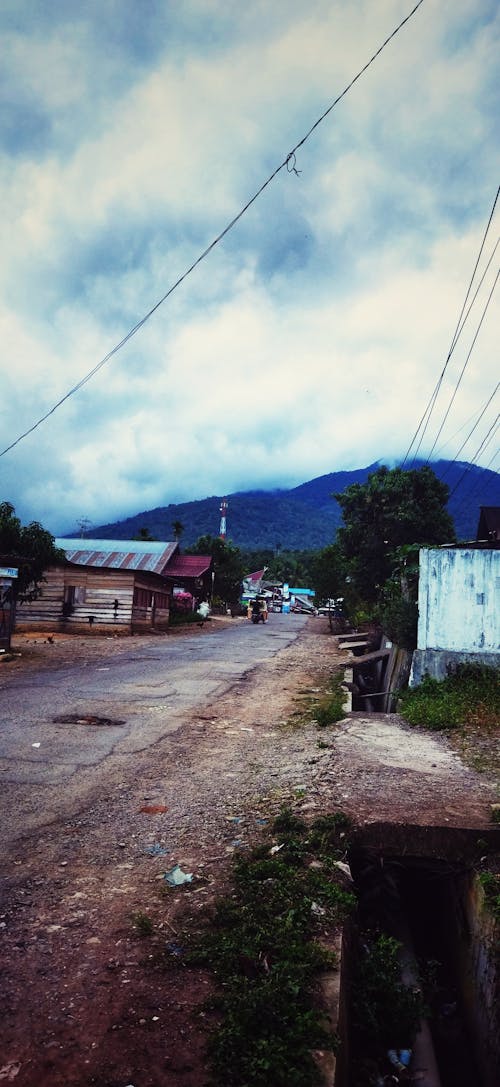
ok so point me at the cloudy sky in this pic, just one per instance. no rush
(311, 338)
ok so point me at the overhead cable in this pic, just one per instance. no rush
(469, 436)
(288, 163)
(484, 444)
(424, 421)
(464, 367)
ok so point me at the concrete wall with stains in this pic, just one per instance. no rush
(459, 600)
(459, 611)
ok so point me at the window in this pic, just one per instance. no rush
(75, 594)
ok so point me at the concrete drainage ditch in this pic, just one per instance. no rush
(421, 887)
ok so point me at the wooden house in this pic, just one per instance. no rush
(105, 586)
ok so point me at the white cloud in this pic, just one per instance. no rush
(311, 339)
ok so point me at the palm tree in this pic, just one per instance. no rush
(178, 529)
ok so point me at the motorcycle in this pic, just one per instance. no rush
(257, 610)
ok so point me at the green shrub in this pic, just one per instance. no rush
(330, 707)
(385, 1011)
(470, 696)
(262, 950)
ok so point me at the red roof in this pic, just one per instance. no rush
(257, 576)
(188, 566)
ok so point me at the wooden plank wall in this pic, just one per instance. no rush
(107, 607)
(108, 602)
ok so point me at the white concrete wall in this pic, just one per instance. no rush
(459, 600)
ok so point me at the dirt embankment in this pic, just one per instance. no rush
(90, 996)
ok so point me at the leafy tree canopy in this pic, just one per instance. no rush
(29, 547)
(227, 564)
(329, 574)
(393, 508)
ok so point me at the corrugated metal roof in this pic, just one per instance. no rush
(188, 565)
(151, 556)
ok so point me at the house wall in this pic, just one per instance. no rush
(459, 610)
(103, 602)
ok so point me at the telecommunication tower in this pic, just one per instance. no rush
(223, 511)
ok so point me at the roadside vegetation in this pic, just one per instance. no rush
(471, 696)
(265, 948)
(322, 705)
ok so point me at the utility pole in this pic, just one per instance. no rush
(223, 511)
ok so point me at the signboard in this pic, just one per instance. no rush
(8, 571)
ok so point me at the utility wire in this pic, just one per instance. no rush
(424, 421)
(478, 482)
(485, 442)
(289, 163)
(469, 436)
(475, 415)
(464, 367)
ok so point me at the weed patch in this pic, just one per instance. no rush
(264, 950)
(490, 882)
(469, 697)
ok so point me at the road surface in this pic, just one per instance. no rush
(48, 765)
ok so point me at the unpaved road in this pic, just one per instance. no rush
(85, 999)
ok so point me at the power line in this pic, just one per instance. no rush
(424, 421)
(289, 163)
(464, 367)
(476, 424)
(475, 415)
(485, 442)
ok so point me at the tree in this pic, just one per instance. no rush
(30, 547)
(144, 535)
(227, 564)
(177, 529)
(392, 509)
(329, 574)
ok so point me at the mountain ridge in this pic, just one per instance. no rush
(304, 517)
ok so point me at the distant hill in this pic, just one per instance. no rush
(304, 517)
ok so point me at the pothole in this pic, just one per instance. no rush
(86, 719)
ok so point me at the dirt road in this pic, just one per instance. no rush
(89, 995)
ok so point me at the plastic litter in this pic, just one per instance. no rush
(174, 949)
(176, 877)
(399, 1058)
(153, 809)
(33, 745)
(276, 848)
(156, 850)
(10, 1071)
(345, 868)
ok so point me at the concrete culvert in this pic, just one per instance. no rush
(422, 935)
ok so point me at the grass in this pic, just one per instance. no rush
(263, 949)
(470, 697)
(490, 882)
(321, 708)
(142, 923)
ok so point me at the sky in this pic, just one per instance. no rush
(311, 337)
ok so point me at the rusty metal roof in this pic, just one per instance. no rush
(151, 556)
(188, 566)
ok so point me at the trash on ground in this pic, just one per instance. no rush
(276, 848)
(399, 1058)
(176, 877)
(33, 745)
(343, 868)
(10, 1070)
(157, 850)
(153, 809)
(174, 948)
